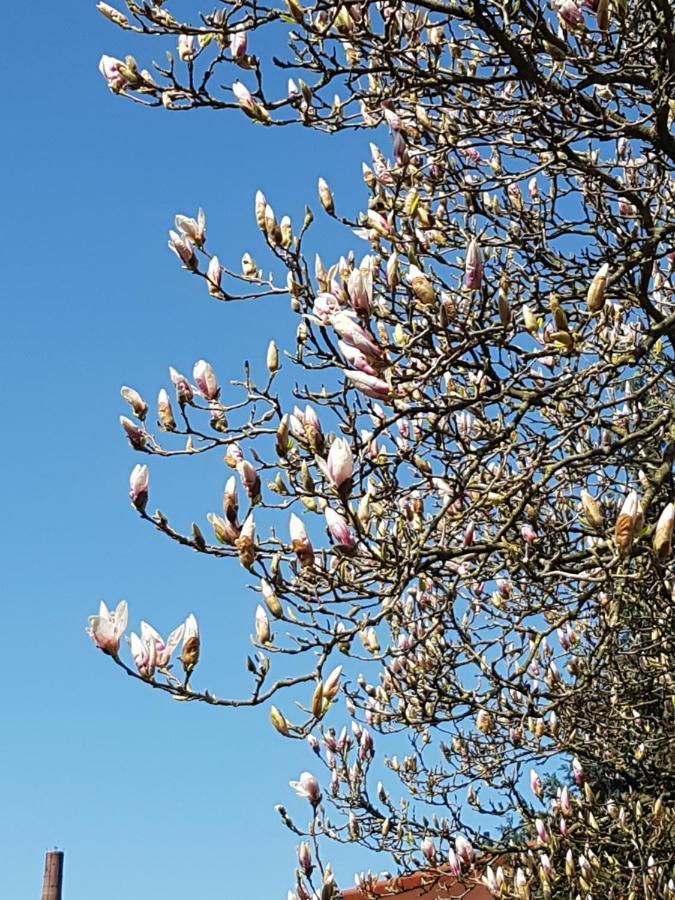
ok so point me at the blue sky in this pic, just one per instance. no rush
(148, 798)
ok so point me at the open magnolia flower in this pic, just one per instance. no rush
(106, 629)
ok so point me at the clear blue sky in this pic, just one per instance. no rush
(149, 798)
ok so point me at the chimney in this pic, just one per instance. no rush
(53, 878)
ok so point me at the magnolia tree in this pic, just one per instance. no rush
(459, 523)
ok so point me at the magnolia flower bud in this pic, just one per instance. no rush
(183, 249)
(339, 530)
(464, 850)
(138, 487)
(165, 412)
(137, 437)
(190, 652)
(286, 230)
(332, 684)
(206, 380)
(113, 15)
(484, 721)
(428, 850)
(595, 297)
(392, 271)
(369, 385)
(245, 543)
(305, 858)
(250, 480)
(326, 197)
(535, 784)
(271, 599)
(421, 286)
(138, 405)
(214, 274)
(302, 546)
(225, 532)
(592, 510)
(238, 42)
(626, 523)
(663, 533)
(473, 266)
(244, 97)
(231, 501)
(339, 466)
(278, 721)
(522, 886)
(144, 655)
(115, 73)
(263, 632)
(182, 385)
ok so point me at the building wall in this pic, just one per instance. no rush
(412, 887)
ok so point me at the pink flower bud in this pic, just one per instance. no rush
(138, 405)
(535, 784)
(428, 850)
(570, 14)
(339, 530)
(113, 71)
(182, 386)
(144, 654)
(369, 385)
(356, 359)
(183, 249)
(346, 326)
(164, 649)
(490, 880)
(360, 290)
(454, 864)
(137, 437)
(138, 487)
(250, 479)
(542, 834)
(464, 850)
(578, 772)
(339, 467)
(473, 266)
(565, 803)
(214, 273)
(206, 380)
(243, 96)
(528, 533)
(305, 858)
(238, 43)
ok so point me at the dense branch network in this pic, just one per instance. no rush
(468, 500)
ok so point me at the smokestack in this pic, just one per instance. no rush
(53, 879)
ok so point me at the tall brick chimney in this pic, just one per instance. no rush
(52, 882)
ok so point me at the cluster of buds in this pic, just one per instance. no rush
(149, 651)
